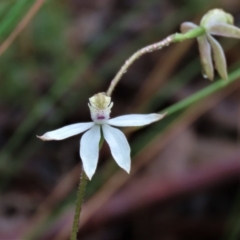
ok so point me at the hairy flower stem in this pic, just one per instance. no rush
(177, 37)
(153, 47)
(80, 196)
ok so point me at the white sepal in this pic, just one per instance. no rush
(206, 56)
(133, 120)
(224, 30)
(218, 57)
(119, 146)
(89, 150)
(66, 132)
(187, 26)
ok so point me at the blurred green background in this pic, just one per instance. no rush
(184, 182)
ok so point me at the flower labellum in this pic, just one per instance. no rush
(100, 107)
(215, 22)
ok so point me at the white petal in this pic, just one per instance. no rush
(218, 57)
(119, 146)
(67, 131)
(224, 30)
(133, 120)
(187, 26)
(89, 150)
(206, 56)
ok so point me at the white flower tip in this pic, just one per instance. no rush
(156, 117)
(161, 116)
(89, 173)
(89, 176)
(43, 137)
(127, 168)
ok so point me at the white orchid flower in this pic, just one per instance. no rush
(100, 108)
(215, 22)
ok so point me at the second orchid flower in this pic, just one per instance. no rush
(219, 23)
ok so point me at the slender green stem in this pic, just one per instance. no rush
(214, 87)
(179, 37)
(80, 196)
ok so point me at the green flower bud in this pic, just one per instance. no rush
(216, 16)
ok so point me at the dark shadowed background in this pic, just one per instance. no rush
(184, 182)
